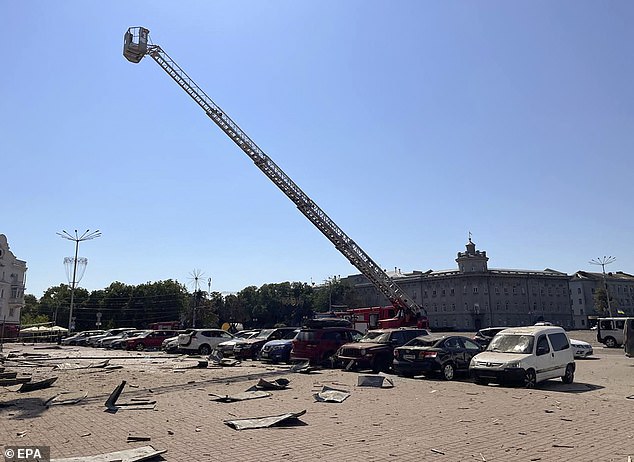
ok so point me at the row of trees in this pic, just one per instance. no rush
(287, 303)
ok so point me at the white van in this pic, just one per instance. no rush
(610, 331)
(526, 355)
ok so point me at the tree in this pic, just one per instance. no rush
(600, 299)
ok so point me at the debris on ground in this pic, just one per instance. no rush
(436, 451)
(8, 375)
(14, 381)
(278, 384)
(70, 366)
(331, 395)
(39, 385)
(66, 398)
(136, 438)
(302, 367)
(128, 455)
(378, 381)
(246, 395)
(265, 422)
(135, 404)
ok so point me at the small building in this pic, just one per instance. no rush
(12, 279)
(474, 296)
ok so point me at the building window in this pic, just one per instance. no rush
(11, 312)
(453, 292)
(578, 290)
(453, 307)
(444, 292)
(506, 291)
(475, 290)
(514, 290)
(433, 293)
(497, 291)
(580, 302)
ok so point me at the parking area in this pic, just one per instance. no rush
(416, 419)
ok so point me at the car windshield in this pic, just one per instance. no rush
(265, 333)
(376, 337)
(505, 343)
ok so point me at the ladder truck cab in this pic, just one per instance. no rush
(384, 317)
(137, 44)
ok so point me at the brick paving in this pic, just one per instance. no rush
(418, 419)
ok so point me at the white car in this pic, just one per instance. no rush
(202, 341)
(527, 355)
(580, 349)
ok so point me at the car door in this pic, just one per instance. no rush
(544, 359)
(455, 351)
(562, 352)
(471, 349)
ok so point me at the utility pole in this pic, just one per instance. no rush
(86, 236)
(602, 262)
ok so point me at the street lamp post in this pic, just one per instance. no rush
(602, 262)
(86, 236)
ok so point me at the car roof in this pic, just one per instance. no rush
(533, 330)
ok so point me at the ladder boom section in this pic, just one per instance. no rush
(316, 215)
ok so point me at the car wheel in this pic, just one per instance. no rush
(140, 347)
(610, 342)
(569, 377)
(448, 371)
(530, 379)
(204, 350)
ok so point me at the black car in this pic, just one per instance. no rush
(444, 354)
(250, 348)
(484, 336)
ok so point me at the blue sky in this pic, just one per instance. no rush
(410, 123)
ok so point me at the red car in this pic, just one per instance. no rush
(149, 339)
(319, 345)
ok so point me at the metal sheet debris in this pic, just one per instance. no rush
(278, 384)
(265, 422)
(302, 367)
(135, 404)
(39, 385)
(378, 381)
(70, 366)
(129, 455)
(65, 399)
(331, 395)
(246, 395)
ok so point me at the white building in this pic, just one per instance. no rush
(12, 279)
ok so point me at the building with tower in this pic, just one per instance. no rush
(474, 296)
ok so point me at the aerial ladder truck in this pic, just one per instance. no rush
(137, 45)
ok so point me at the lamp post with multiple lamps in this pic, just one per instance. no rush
(76, 238)
(602, 262)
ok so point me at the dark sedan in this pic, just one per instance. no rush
(444, 354)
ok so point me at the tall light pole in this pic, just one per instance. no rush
(86, 236)
(602, 262)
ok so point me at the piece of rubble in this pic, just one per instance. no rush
(331, 395)
(378, 381)
(39, 385)
(278, 384)
(246, 395)
(128, 455)
(265, 422)
(135, 404)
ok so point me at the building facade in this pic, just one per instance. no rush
(583, 286)
(473, 296)
(12, 279)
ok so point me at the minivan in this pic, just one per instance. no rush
(526, 355)
(610, 331)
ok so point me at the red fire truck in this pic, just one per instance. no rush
(383, 317)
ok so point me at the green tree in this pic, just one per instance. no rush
(600, 299)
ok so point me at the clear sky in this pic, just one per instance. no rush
(410, 123)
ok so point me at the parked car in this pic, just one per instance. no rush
(202, 341)
(320, 345)
(80, 337)
(277, 351)
(170, 344)
(446, 355)
(526, 355)
(226, 348)
(93, 339)
(118, 343)
(106, 342)
(484, 336)
(250, 348)
(375, 350)
(611, 331)
(148, 339)
(580, 349)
